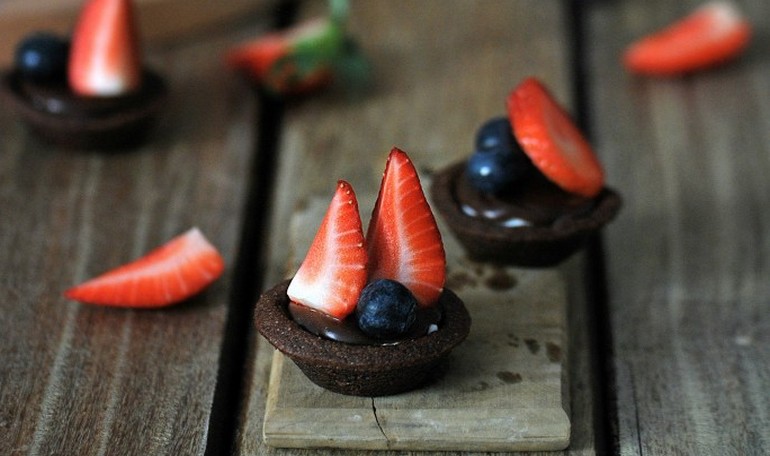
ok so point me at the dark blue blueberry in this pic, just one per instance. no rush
(386, 309)
(498, 161)
(495, 134)
(490, 172)
(42, 57)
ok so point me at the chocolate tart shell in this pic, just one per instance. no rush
(535, 246)
(60, 117)
(361, 370)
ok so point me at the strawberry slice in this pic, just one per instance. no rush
(171, 273)
(550, 138)
(105, 58)
(403, 240)
(712, 34)
(297, 60)
(333, 272)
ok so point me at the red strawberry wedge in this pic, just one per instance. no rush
(104, 57)
(167, 275)
(712, 34)
(403, 240)
(333, 273)
(552, 141)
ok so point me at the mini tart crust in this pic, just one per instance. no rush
(361, 370)
(536, 246)
(102, 123)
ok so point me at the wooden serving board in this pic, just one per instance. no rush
(504, 388)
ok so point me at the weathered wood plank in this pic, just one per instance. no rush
(78, 379)
(440, 71)
(689, 257)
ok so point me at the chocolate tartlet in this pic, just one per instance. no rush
(539, 233)
(361, 370)
(56, 114)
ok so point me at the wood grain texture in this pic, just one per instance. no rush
(439, 72)
(689, 257)
(87, 380)
(502, 390)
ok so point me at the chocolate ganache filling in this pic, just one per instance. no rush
(531, 201)
(347, 330)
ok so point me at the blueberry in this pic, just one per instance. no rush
(495, 134)
(42, 57)
(498, 161)
(386, 309)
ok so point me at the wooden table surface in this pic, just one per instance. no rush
(668, 321)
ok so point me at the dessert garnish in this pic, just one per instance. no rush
(92, 92)
(333, 272)
(552, 141)
(305, 58)
(533, 167)
(713, 34)
(369, 315)
(403, 239)
(105, 58)
(171, 273)
(400, 261)
(498, 161)
(532, 190)
(42, 57)
(386, 309)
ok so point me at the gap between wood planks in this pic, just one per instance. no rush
(249, 264)
(598, 328)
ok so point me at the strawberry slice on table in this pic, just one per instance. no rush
(297, 60)
(712, 34)
(547, 134)
(333, 273)
(104, 56)
(169, 274)
(403, 239)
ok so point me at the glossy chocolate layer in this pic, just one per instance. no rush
(529, 246)
(533, 201)
(347, 330)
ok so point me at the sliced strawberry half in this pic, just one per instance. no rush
(169, 274)
(333, 273)
(712, 34)
(105, 54)
(547, 134)
(403, 239)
